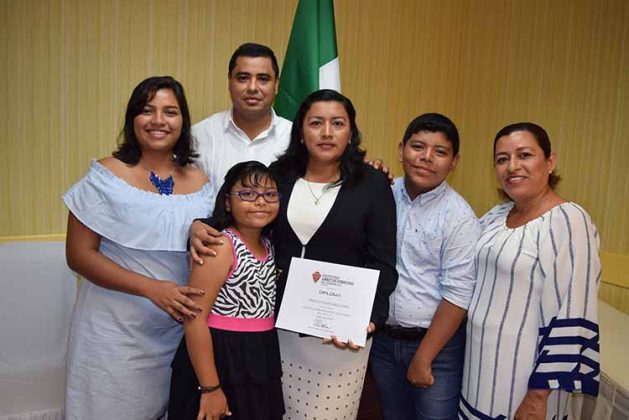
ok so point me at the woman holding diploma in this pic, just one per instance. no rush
(333, 208)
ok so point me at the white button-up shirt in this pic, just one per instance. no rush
(436, 236)
(221, 144)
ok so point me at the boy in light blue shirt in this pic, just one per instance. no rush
(417, 360)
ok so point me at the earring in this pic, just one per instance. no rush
(301, 141)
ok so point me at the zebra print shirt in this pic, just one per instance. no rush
(249, 291)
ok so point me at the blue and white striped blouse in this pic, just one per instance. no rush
(533, 317)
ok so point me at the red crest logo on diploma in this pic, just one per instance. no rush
(316, 276)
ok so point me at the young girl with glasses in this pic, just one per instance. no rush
(233, 368)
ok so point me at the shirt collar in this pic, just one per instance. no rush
(229, 122)
(426, 197)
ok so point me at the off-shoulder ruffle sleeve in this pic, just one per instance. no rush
(132, 217)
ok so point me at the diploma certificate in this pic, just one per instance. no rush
(324, 299)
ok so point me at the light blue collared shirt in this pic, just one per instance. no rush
(436, 236)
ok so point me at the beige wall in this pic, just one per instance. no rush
(68, 67)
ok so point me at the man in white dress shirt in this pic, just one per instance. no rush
(250, 130)
(417, 359)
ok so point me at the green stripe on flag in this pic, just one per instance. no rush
(312, 44)
(327, 32)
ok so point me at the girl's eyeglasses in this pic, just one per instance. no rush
(251, 195)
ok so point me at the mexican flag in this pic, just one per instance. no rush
(311, 62)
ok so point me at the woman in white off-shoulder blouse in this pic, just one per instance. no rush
(127, 232)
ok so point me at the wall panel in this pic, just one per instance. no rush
(69, 67)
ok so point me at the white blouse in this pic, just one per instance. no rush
(308, 207)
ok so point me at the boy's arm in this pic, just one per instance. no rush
(457, 287)
(444, 324)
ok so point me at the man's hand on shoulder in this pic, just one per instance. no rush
(202, 235)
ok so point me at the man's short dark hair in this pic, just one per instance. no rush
(434, 123)
(253, 50)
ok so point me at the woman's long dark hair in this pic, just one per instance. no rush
(128, 149)
(293, 163)
(250, 174)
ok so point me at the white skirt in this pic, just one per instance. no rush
(320, 381)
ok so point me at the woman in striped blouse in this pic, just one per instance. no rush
(532, 329)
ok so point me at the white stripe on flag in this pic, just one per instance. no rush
(330, 75)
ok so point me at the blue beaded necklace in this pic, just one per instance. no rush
(163, 186)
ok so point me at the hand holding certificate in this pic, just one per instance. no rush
(324, 299)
